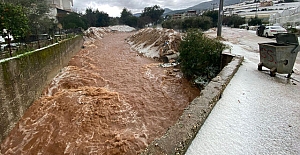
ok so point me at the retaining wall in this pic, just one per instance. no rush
(178, 137)
(23, 78)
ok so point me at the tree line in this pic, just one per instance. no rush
(30, 17)
(96, 18)
(25, 18)
(204, 21)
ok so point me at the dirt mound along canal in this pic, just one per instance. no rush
(155, 43)
(108, 100)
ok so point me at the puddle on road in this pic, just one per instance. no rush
(109, 100)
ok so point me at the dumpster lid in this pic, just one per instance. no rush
(287, 38)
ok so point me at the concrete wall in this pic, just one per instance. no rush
(22, 79)
(178, 137)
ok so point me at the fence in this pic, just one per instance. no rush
(19, 48)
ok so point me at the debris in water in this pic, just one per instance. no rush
(167, 65)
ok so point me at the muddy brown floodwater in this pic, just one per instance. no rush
(108, 100)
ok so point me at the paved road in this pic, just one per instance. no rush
(257, 114)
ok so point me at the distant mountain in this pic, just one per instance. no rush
(137, 14)
(200, 7)
(213, 3)
(167, 10)
(205, 6)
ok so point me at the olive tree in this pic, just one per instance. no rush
(13, 22)
(153, 12)
(200, 56)
(36, 11)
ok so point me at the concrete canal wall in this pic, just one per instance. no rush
(23, 78)
(178, 137)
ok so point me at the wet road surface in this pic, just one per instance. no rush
(257, 114)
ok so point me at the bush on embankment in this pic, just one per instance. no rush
(200, 57)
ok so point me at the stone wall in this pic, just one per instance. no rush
(23, 78)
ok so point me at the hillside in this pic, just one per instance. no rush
(201, 6)
(205, 6)
(208, 5)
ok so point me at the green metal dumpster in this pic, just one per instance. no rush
(279, 57)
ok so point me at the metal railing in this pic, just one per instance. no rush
(19, 48)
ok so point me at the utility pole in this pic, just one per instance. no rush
(256, 10)
(220, 18)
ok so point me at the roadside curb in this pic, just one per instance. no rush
(178, 137)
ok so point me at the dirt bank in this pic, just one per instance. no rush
(155, 43)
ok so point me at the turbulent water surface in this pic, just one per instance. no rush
(108, 100)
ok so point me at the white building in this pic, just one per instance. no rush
(61, 4)
(289, 17)
(273, 13)
(57, 6)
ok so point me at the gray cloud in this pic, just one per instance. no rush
(133, 5)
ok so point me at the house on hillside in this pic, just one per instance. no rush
(178, 16)
(191, 13)
(266, 3)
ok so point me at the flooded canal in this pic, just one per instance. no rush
(108, 100)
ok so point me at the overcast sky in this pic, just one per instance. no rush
(114, 7)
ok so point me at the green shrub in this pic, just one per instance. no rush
(200, 56)
(292, 30)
